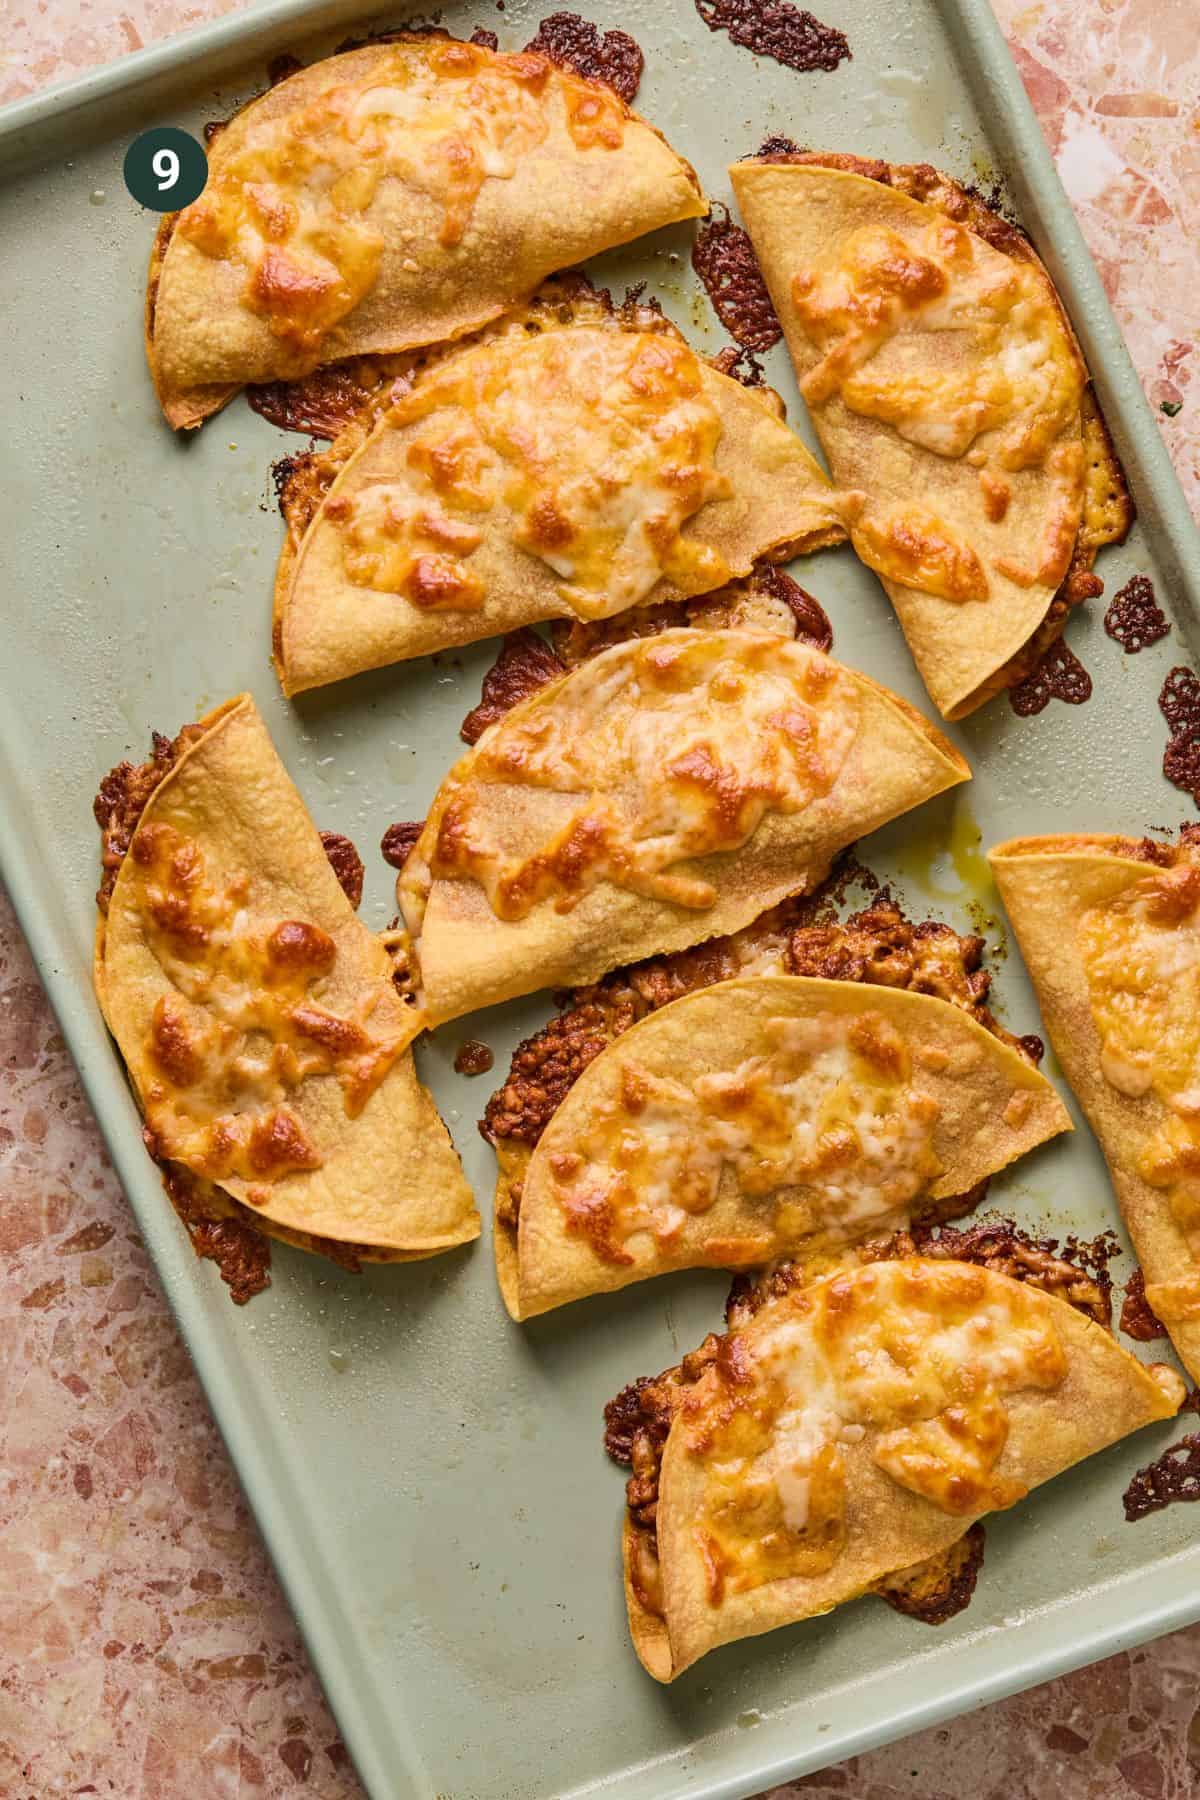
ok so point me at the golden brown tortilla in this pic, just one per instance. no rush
(946, 385)
(759, 1118)
(257, 1016)
(667, 791)
(575, 461)
(856, 1426)
(399, 194)
(1109, 928)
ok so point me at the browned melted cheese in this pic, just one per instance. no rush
(674, 749)
(1141, 955)
(599, 444)
(1008, 400)
(829, 1129)
(242, 1028)
(292, 204)
(912, 1362)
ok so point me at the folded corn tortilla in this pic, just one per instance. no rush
(257, 1015)
(666, 791)
(946, 385)
(1109, 928)
(398, 194)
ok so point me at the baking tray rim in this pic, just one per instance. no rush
(1163, 1602)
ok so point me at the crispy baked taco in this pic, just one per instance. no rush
(262, 1024)
(875, 947)
(399, 194)
(577, 460)
(759, 1118)
(946, 386)
(666, 791)
(1109, 928)
(844, 1435)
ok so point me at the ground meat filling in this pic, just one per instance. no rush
(638, 1421)
(935, 1590)
(1138, 1318)
(122, 799)
(242, 1253)
(1075, 1272)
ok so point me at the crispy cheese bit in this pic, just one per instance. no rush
(907, 1362)
(242, 1026)
(598, 446)
(1141, 955)
(676, 750)
(1008, 400)
(829, 1127)
(293, 204)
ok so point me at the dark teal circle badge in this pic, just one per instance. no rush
(166, 168)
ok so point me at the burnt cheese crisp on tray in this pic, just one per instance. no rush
(1110, 930)
(665, 791)
(399, 194)
(577, 461)
(946, 386)
(758, 1117)
(851, 1428)
(264, 1034)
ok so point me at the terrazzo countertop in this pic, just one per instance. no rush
(145, 1649)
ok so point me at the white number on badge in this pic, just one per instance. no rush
(165, 164)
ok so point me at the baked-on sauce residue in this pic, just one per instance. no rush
(473, 1058)
(398, 840)
(1138, 1319)
(525, 663)
(346, 864)
(574, 43)
(741, 364)
(1179, 703)
(774, 28)
(1059, 675)
(1174, 1476)
(1134, 617)
(723, 258)
(321, 404)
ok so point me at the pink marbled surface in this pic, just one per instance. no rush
(145, 1649)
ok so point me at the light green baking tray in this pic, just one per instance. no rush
(435, 1494)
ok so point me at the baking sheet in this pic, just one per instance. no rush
(429, 1477)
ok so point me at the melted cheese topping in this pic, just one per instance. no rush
(293, 202)
(966, 357)
(826, 1132)
(665, 750)
(911, 1360)
(600, 443)
(1141, 954)
(242, 1027)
